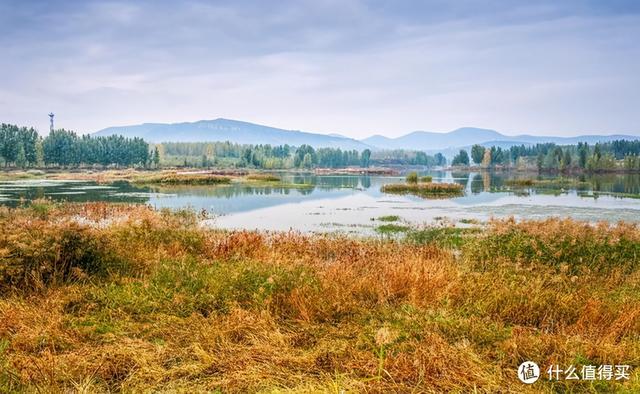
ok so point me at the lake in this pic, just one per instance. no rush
(352, 203)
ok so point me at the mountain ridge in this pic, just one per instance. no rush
(242, 132)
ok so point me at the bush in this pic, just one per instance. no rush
(52, 254)
(426, 179)
(412, 177)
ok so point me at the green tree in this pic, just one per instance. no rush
(461, 159)
(540, 161)
(477, 153)
(439, 159)
(10, 143)
(366, 158)
(566, 160)
(21, 157)
(301, 153)
(156, 157)
(39, 153)
(583, 154)
(307, 161)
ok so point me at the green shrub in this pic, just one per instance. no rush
(558, 243)
(412, 177)
(449, 237)
(391, 229)
(425, 190)
(389, 218)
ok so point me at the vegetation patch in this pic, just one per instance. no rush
(389, 218)
(152, 302)
(263, 177)
(450, 237)
(425, 190)
(392, 228)
(175, 178)
(558, 183)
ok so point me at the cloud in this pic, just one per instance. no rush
(352, 67)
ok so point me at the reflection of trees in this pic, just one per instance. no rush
(331, 181)
(461, 178)
(615, 183)
(365, 181)
(486, 181)
(632, 183)
(477, 184)
(231, 191)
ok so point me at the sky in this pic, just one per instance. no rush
(352, 67)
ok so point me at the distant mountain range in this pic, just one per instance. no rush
(232, 131)
(250, 133)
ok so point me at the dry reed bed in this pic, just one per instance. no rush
(155, 303)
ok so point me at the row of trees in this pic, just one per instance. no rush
(609, 156)
(407, 157)
(286, 156)
(307, 157)
(23, 147)
(19, 146)
(65, 148)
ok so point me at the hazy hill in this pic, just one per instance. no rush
(250, 133)
(230, 130)
(425, 140)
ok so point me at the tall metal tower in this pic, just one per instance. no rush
(51, 121)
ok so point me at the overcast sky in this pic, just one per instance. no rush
(353, 67)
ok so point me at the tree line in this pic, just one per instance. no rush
(608, 156)
(23, 147)
(206, 154)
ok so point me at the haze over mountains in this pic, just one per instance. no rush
(250, 133)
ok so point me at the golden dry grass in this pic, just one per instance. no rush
(153, 302)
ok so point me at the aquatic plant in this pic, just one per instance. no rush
(389, 218)
(263, 177)
(412, 177)
(556, 183)
(425, 190)
(175, 178)
(391, 228)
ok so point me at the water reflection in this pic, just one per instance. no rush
(358, 198)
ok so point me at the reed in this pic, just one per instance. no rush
(263, 177)
(183, 179)
(425, 190)
(558, 183)
(108, 298)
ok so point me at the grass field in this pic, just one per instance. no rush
(108, 298)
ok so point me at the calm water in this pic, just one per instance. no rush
(349, 203)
